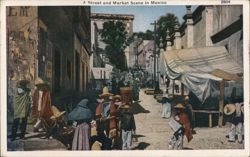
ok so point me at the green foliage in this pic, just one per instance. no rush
(165, 22)
(148, 35)
(114, 35)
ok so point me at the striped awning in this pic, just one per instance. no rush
(211, 60)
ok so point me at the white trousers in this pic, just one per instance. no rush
(176, 143)
(126, 140)
(236, 130)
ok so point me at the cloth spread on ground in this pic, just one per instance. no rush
(201, 69)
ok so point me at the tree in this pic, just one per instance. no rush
(165, 22)
(114, 35)
(148, 35)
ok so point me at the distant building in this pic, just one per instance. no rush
(145, 55)
(52, 43)
(100, 65)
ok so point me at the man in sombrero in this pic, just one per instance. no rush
(106, 115)
(41, 105)
(236, 112)
(176, 142)
(128, 126)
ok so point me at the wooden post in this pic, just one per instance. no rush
(221, 103)
(182, 89)
(173, 87)
(210, 120)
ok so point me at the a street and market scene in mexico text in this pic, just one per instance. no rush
(96, 78)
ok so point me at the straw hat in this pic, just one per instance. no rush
(117, 97)
(229, 109)
(186, 98)
(105, 92)
(39, 81)
(125, 106)
(56, 113)
(179, 106)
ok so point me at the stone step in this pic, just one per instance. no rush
(33, 141)
(35, 144)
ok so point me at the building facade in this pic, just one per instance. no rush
(145, 56)
(219, 25)
(100, 66)
(52, 43)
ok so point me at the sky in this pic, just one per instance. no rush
(144, 15)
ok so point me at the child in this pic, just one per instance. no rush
(127, 126)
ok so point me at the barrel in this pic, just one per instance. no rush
(126, 95)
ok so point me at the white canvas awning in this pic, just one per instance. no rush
(200, 68)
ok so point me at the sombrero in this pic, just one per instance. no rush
(186, 98)
(179, 106)
(117, 97)
(56, 113)
(39, 81)
(229, 109)
(105, 92)
(125, 106)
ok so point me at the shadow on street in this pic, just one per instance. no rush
(186, 148)
(141, 146)
(138, 136)
(137, 108)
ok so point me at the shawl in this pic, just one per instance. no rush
(184, 120)
(46, 111)
(81, 112)
(22, 103)
(111, 111)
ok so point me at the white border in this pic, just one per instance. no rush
(160, 153)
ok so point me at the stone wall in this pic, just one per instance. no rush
(229, 16)
(225, 15)
(217, 26)
(22, 46)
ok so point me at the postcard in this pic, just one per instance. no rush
(124, 77)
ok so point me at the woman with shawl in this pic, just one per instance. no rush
(81, 117)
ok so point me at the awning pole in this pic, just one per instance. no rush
(221, 103)
(173, 87)
(182, 89)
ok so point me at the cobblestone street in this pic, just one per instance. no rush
(154, 132)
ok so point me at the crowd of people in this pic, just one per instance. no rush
(112, 125)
